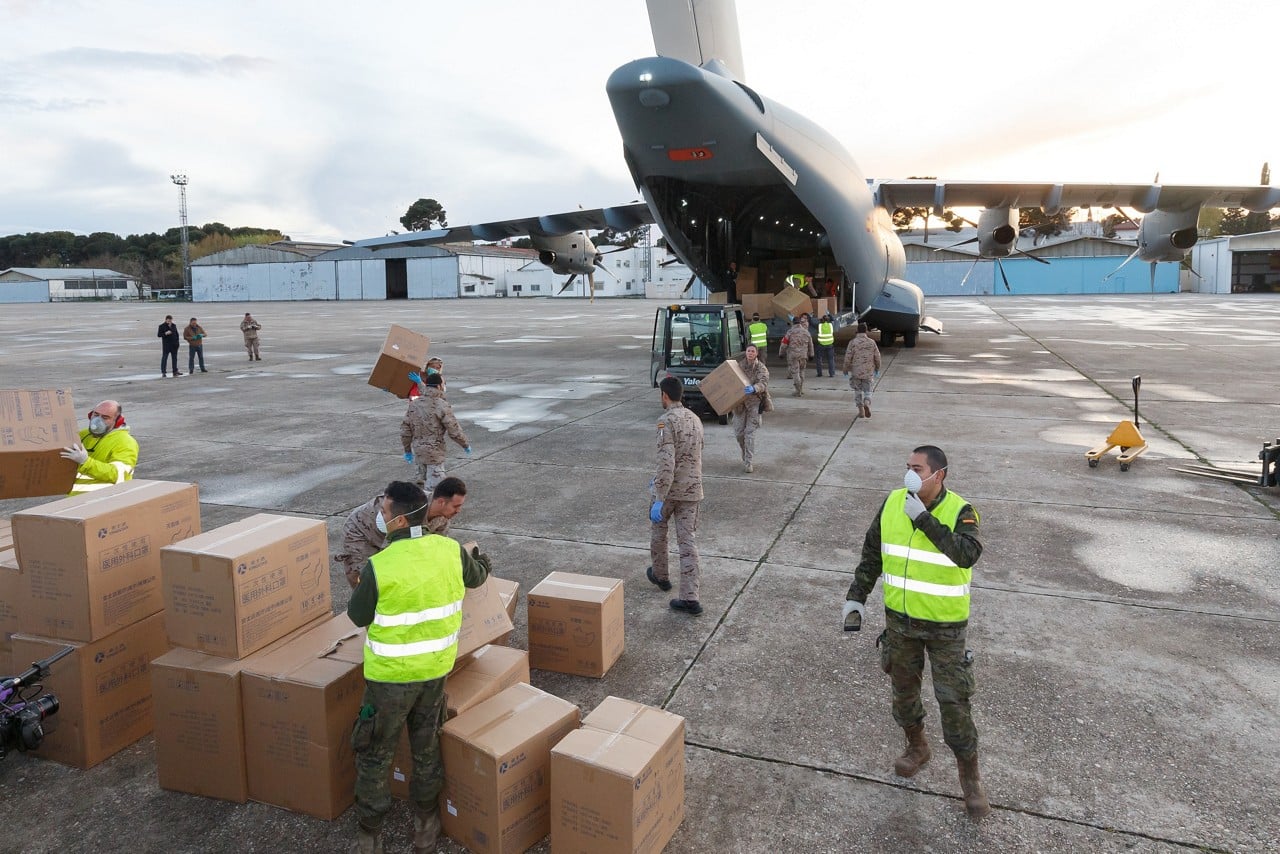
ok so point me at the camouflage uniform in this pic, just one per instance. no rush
(423, 430)
(746, 415)
(799, 352)
(861, 362)
(678, 484)
(250, 330)
(906, 640)
(361, 538)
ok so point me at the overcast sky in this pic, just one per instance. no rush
(326, 120)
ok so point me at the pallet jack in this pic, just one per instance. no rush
(1270, 475)
(1125, 437)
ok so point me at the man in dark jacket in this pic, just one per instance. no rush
(168, 335)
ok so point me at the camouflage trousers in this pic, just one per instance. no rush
(685, 514)
(902, 656)
(421, 706)
(429, 475)
(746, 421)
(796, 366)
(861, 391)
(251, 344)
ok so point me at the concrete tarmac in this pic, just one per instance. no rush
(1124, 623)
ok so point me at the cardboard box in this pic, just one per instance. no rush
(617, 784)
(718, 298)
(402, 352)
(509, 593)
(489, 671)
(10, 582)
(103, 691)
(91, 563)
(748, 281)
(237, 588)
(35, 426)
(299, 702)
(199, 721)
(575, 624)
(484, 618)
(761, 304)
(497, 781)
(822, 306)
(723, 387)
(790, 301)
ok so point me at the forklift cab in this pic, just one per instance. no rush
(690, 341)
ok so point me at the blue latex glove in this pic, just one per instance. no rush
(413, 375)
(467, 450)
(749, 389)
(875, 376)
(655, 512)
(408, 456)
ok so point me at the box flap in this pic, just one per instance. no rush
(568, 585)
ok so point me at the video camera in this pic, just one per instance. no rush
(23, 707)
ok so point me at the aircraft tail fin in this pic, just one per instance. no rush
(697, 32)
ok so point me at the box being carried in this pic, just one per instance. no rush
(790, 301)
(575, 624)
(723, 387)
(103, 690)
(761, 304)
(402, 352)
(300, 701)
(91, 563)
(617, 784)
(497, 780)
(35, 426)
(237, 588)
(748, 281)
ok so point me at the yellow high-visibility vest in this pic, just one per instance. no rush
(920, 581)
(414, 633)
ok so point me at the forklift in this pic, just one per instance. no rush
(690, 340)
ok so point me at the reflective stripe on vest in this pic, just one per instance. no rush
(759, 335)
(920, 581)
(826, 334)
(414, 633)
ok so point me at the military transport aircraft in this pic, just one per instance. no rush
(729, 175)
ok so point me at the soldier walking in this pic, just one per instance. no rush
(193, 333)
(250, 328)
(676, 491)
(410, 597)
(799, 350)
(746, 415)
(862, 366)
(925, 543)
(423, 431)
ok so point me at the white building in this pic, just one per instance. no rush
(1239, 263)
(57, 284)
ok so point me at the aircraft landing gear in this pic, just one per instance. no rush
(909, 338)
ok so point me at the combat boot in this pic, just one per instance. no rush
(426, 830)
(367, 841)
(975, 799)
(916, 754)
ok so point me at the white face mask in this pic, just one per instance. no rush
(381, 523)
(913, 483)
(98, 425)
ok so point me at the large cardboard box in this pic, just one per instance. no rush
(10, 581)
(509, 593)
(199, 721)
(402, 352)
(748, 281)
(489, 671)
(723, 387)
(484, 618)
(299, 702)
(103, 690)
(91, 563)
(617, 784)
(761, 304)
(35, 425)
(237, 588)
(790, 301)
(718, 298)
(497, 781)
(576, 624)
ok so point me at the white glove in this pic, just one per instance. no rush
(851, 607)
(76, 453)
(913, 506)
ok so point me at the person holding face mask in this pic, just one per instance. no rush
(106, 454)
(362, 537)
(410, 597)
(925, 543)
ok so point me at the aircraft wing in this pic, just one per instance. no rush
(620, 218)
(927, 192)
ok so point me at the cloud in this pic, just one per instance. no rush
(190, 64)
(49, 105)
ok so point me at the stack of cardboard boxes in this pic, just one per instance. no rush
(88, 576)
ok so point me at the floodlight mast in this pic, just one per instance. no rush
(181, 181)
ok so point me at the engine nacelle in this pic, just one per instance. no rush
(546, 256)
(997, 232)
(1167, 235)
(566, 253)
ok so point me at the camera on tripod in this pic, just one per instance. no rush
(24, 705)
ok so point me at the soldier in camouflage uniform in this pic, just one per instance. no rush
(410, 594)
(799, 351)
(862, 365)
(423, 431)
(676, 491)
(746, 415)
(361, 538)
(925, 543)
